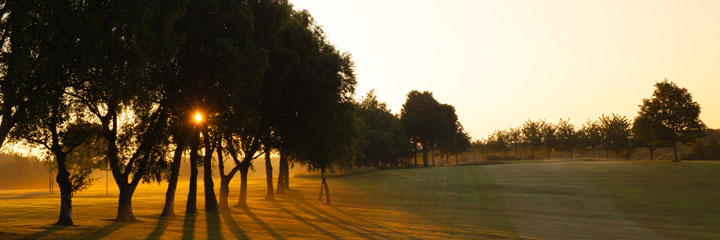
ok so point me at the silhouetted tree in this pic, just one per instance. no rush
(567, 136)
(532, 133)
(673, 116)
(616, 133)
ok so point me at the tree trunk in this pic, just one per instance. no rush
(432, 155)
(327, 190)
(244, 167)
(415, 157)
(269, 176)
(211, 204)
(283, 175)
(63, 180)
(124, 213)
(473, 155)
(224, 192)
(425, 157)
(571, 153)
(169, 208)
(652, 150)
(675, 152)
(457, 162)
(191, 206)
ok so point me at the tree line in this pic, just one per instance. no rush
(670, 117)
(137, 85)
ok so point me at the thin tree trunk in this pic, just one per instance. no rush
(675, 152)
(327, 190)
(425, 157)
(269, 175)
(169, 208)
(191, 206)
(63, 180)
(457, 162)
(211, 204)
(283, 174)
(244, 167)
(432, 155)
(652, 150)
(415, 157)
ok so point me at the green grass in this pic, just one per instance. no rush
(526, 199)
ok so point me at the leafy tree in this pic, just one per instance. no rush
(533, 135)
(420, 118)
(591, 136)
(567, 136)
(616, 133)
(549, 137)
(642, 134)
(673, 116)
(125, 58)
(515, 139)
(25, 29)
(384, 140)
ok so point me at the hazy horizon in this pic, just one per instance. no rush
(503, 62)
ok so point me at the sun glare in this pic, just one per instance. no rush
(198, 117)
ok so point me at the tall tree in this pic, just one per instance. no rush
(673, 115)
(591, 136)
(616, 133)
(532, 133)
(643, 135)
(549, 136)
(126, 48)
(567, 136)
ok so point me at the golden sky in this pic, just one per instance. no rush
(502, 62)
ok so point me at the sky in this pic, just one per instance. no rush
(503, 62)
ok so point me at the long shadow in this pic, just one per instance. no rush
(162, 225)
(104, 231)
(262, 223)
(281, 208)
(212, 220)
(232, 225)
(189, 226)
(48, 230)
(372, 223)
(363, 234)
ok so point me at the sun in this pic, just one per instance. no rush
(198, 117)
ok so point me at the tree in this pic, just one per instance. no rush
(125, 58)
(642, 134)
(25, 28)
(383, 139)
(420, 117)
(591, 136)
(549, 137)
(533, 135)
(567, 137)
(616, 133)
(673, 116)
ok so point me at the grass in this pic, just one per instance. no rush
(525, 199)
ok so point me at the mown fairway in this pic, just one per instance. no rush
(529, 199)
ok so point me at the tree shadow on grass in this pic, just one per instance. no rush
(262, 223)
(162, 225)
(232, 225)
(281, 208)
(372, 223)
(363, 234)
(212, 221)
(189, 226)
(104, 231)
(48, 230)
